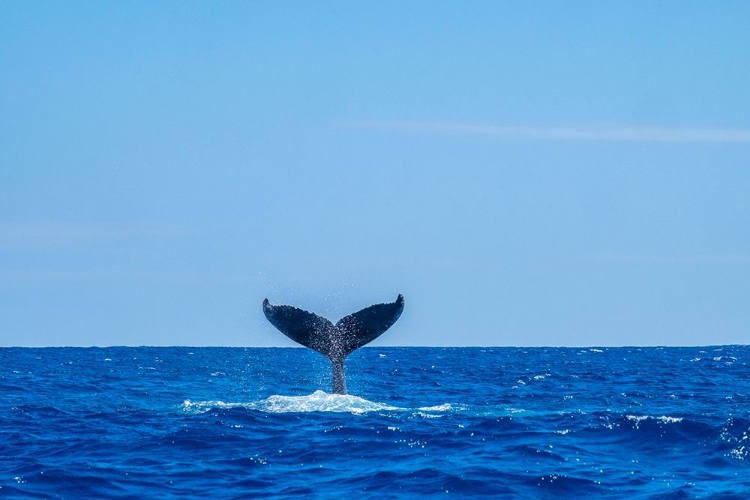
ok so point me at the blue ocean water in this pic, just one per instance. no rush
(469, 422)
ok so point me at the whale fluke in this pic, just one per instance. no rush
(335, 342)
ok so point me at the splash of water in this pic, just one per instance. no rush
(318, 401)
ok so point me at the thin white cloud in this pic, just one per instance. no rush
(24, 236)
(113, 273)
(697, 259)
(624, 133)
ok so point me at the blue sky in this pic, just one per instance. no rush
(525, 173)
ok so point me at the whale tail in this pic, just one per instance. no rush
(335, 342)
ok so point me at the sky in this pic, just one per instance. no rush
(558, 173)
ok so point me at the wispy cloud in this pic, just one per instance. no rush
(114, 273)
(696, 259)
(24, 236)
(620, 133)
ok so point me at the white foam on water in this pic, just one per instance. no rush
(206, 406)
(669, 420)
(318, 401)
(664, 419)
(440, 408)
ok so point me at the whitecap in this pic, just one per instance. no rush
(664, 419)
(443, 407)
(427, 415)
(669, 420)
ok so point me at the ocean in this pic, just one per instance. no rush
(224, 423)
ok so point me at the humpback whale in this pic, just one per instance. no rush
(335, 342)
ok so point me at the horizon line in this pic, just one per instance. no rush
(542, 346)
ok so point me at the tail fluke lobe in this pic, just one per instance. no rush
(363, 327)
(303, 327)
(337, 341)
